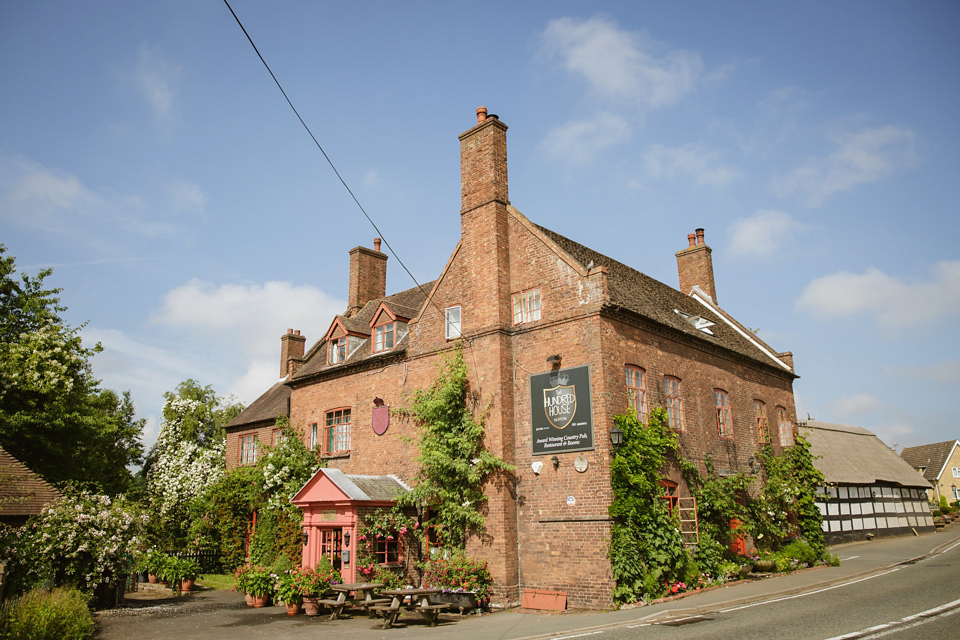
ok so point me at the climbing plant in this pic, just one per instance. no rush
(646, 547)
(453, 462)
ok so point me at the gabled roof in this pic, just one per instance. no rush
(933, 457)
(22, 492)
(407, 304)
(333, 485)
(636, 292)
(275, 402)
(853, 455)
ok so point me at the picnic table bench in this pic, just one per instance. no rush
(419, 602)
(363, 597)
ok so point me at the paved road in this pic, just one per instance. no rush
(223, 615)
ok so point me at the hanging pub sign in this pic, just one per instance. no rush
(561, 413)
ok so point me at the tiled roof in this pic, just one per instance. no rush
(853, 455)
(275, 402)
(639, 293)
(932, 456)
(406, 302)
(22, 492)
(375, 488)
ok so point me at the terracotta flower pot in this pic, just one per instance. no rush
(152, 579)
(293, 608)
(259, 601)
(187, 585)
(249, 599)
(311, 606)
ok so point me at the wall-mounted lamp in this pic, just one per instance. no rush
(305, 537)
(554, 359)
(616, 436)
(346, 538)
(556, 462)
(378, 402)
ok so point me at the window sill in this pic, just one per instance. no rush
(340, 454)
(392, 565)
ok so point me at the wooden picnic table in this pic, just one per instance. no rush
(419, 601)
(363, 596)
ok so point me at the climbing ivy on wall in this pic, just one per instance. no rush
(646, 547)
(454, 464)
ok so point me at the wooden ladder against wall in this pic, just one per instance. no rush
(689, 527)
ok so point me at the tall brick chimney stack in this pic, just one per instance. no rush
(483, 219)
(695, 266)
(291, 352)
(368, 276)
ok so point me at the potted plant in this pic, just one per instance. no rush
(259, 584)
(313, 583)
(465, 582)
(288, 591)
(240, 582)
(182, 573)
(153, 563)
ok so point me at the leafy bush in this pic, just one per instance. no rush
(802, 552)
(258, 582)
(286, 589)
(458, 572)
(61, 614)
(315, 581)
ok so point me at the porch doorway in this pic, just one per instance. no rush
(331, 546)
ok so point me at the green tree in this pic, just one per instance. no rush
(54, 417)
(454, 464)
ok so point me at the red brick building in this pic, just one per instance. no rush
(558, 339)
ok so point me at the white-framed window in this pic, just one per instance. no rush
(338, 350)
(526, 306)
(337, 431)
(248, 449)
(451, 323)
(956, 472)
(313, 435)
(956, 493)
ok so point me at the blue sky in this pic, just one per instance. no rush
(147, 156)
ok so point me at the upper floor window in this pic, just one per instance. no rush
(721, 403)
(338, 350)
(784, 428)
(384, 337)
(956, 472)
(672, 393)
(637, 391)
(248, 449)
(763, 425)
(278, 436)
(451, 323)
(337, 431)
(313, 435)
(526, 306)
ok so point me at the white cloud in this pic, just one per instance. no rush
(622, 65)
(51, 200)
(692, 160)
(577, 142)
(893, 302)
(944, 373)
(855, 405)
(863, 157)
(762, 234)
(156, 80)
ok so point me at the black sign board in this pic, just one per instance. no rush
(560, 411)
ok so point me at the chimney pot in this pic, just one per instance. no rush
(700, 239)
(692, 239)
(376, 244)
(289, 331)
(481, 114)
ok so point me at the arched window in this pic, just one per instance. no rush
(763, 425)
(637, 391)
(674, 399)
(721, 403)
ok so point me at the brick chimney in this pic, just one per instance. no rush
(368, 276)
(695, 266)
(483, 219)
(291, 352)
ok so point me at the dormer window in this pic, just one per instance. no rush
(338, 350)
(697, 322)
(384, 337)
